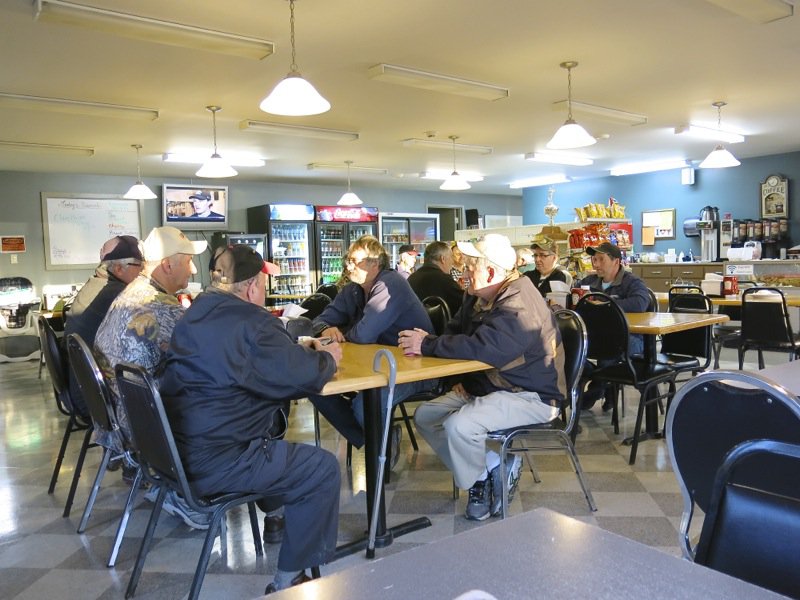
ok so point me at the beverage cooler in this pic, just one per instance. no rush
(337, 227)
(290, 243)
(418, 229)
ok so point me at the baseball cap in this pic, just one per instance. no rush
(121, 246)
(605, 248)
(240, 263)
(166, 241)
(408, 249)
(545, 244)
(201, 196)
(493, 247)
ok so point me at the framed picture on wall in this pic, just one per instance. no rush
(775, 197)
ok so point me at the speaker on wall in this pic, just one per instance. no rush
(472, 217)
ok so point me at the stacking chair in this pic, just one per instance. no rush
(608, 345)
(161, 466)
(766, 325)
(557, 434)
(753, 533)
(57, 369)
(314, 305)
(709, 416)
(329, 289)
(93, 386)
(683, 351)
(727, 335)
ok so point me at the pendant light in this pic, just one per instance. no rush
(719, 158)
(215, 167)
(570, 135)
(139, 191)
(454, 182)
(294, 96)
(349, 198)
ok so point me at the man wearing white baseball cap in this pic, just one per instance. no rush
(138, 326)
(504, 322)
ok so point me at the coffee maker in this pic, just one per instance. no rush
(708, 225)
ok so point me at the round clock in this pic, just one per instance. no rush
(772, 181)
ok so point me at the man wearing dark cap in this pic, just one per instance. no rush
(545, 256)
(230, 368)
(627, 290)
(121, 261)
(407, 260)
(202, 201)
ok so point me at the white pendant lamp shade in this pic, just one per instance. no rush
(294, 96)
(570, 135)
(719, 158)
(349, 198)
(215, 167)
(139, 191)
(455, 182)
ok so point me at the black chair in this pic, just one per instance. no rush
(709, 416)
(314, 305)
(679, 289)
(608, 345)
(682, 351)
(329, 289)
(298, 327)
(93, 386)
(56, 364)
(766, 325)
(753, 533)
(557, 434)
(161, 466)
(727, 335)
(652, 304)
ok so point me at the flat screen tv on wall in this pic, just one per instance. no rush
(191, 207)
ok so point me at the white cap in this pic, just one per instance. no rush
(166, 241)
(493, 247)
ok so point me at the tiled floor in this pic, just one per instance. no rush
(41, 556)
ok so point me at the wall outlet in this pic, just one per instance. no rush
(14, 259)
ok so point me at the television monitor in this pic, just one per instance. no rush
(191, 207)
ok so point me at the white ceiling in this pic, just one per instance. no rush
(668, 60)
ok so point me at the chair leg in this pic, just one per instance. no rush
(409, 428)
(214, 527)
(456, 491)
(576, 464)
(98, 479)
(251, 508)
(349, 460)
(146, 541)
(61, 452)
(315, 574)
(316, 428)
(637, 428)
(78, 468)
(741, 357)
(760, 359)
(532, 468)
(123, 522)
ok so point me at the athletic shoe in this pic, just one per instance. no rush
(273, 529)
(301, 577)
(177, 507)
(395, 435)
(480, 500)
(513, 468)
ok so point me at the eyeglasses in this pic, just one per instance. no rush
(133, 264)
(352, 261)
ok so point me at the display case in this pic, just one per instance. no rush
(784, 274)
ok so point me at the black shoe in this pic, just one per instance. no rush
(300, 578)
(273, 529)
(479, 505)
(395, 435)
(608, 404)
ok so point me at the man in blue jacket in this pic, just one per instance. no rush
(230, 368)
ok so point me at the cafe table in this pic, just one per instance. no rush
(537, 554)
(355, 373)
(787, 374)
(652, 324)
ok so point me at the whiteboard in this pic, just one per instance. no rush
(77, 225)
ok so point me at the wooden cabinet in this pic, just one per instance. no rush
(659, 277)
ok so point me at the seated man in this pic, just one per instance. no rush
(433, 277)
(372, 309)
(627, 290)
(504, 322)
(230, 368)
(407, 260)
(545, 257)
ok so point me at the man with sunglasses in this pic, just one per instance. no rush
(545, 257)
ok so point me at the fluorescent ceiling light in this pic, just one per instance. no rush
(29, 147)
(436, 82)
(606, 114)
(649, 166)
(537, 181)
(758, 11)
(324, 166)
(151, 30)
(413, 142)
(709, 133)
(319, 133)
(442, 174)
(64, 105)
(198, 157)
(559, 158)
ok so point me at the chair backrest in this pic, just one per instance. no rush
(606, 325)
(576, 345)
(710, 415)
(693, 342)
(652, 304)
(329, 289)
(765, 318)
(438, 311)
(754, 533)
(92, 383)
(299, 326)
(687, 297)
(56, 364)
(152, 436)
(315, 304)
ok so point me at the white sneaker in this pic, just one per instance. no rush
(177, 507)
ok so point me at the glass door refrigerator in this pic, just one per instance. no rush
(417, 229)
(337, 227)
(290, 245)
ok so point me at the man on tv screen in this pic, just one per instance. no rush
(202, 201)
